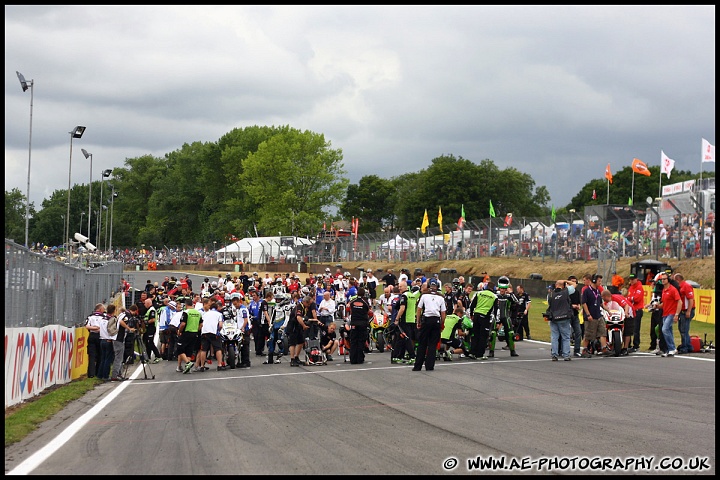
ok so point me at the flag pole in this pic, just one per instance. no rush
(701, 161)
(632, 189)
(608, 192)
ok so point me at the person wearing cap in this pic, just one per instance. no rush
(430, 315)
(481, 308)
(671, 305)
(636, 297)
(404, 275)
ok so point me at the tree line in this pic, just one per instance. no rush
(265, 181)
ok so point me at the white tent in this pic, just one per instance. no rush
(262, 250)
(399, 243)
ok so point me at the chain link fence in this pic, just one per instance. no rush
(41, 291)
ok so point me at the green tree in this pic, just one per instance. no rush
(295, 178)
(137, 182)
(372, 200)
(15, 215)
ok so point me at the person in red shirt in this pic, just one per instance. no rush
(636, 297)
(687, 313)
(671, 304)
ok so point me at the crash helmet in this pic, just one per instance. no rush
(227, 296)
(327, 269)
(456, 281)
(206, 294)
(347, 275)
(503, 282)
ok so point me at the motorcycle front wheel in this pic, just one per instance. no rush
(617, 342)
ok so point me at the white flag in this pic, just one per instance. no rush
(666, 164)
(708, 151)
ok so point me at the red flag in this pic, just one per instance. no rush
(594, 195)
(508, 220)
(355, 223)
(324, 226)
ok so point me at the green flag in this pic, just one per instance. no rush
(492, 210)
(552, 214)
(630, 201)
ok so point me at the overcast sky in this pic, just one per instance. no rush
(556, 92)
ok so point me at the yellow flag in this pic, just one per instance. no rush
(440, 218)
(425, 222)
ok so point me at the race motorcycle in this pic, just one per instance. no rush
(379, 323)
(615, 325)
(232, 338)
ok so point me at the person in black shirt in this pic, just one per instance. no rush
(390, 279)
(520, 313)
(575, 300)
(296, 329)
(359, 322)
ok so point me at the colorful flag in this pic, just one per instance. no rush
(324, 226)
(552, 213)
(355, 225)
(440, 218)
(425, 222)
(630, 201)
(608, 175)
(594, 195)
(461, 221)
(708, 151)
(508, 220)
(666, 164)
(639, 167)
(492, 210)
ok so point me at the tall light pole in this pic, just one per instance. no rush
(82, 214)
(25, 85)
(107, 222)
(572, 232)
(112, 205)
(97, 225)
(105, 174)
(85, 152)
(77, 132)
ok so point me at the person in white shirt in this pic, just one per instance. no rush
(431, 310)
(211, 324)
(107, 350)
(326, 309)
(385, 301)
(371, 283)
